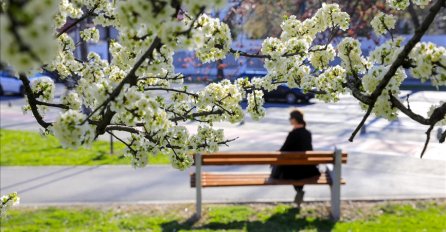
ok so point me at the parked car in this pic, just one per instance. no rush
(287, 94)
(10, 84)
(283, 92)
(13, 85)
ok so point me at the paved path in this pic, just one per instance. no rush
(371, 177)
(383, 164)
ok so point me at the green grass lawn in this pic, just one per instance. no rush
(30, 148)
(402, 216)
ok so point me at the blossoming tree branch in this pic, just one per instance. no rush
(122, 95)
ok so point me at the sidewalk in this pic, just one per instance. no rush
(369, 177)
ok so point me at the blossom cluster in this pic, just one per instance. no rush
(43, 90)
(216, 39)
(139, 93)
(67, 9)
(321, 57)
(383, 23)
(7, 201)
(403, 4)
(429, 63)
(224, 96)
(331, 81)
(72, 131)
(349, 51)
(288, 55)
(90, 34)
(35, 28)
(383, 107)
(386, 53)
(255, 105)
(72, 100)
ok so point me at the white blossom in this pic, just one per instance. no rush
(255, 105)
(138, 90)
(35, 26)
(70, 130)
(321, 57)
(429, 62)
(383, 106)
(331, 82)
(90, 34)
(216, 39)
(383, 23)
(7, 201)
(72, 100)
(398, 4)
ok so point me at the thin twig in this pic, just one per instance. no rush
(62, 106)
(361, 124)
(442, 137)
(428, 137)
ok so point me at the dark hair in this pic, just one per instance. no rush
(298, 116)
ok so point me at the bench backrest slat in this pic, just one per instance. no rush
(271, 158)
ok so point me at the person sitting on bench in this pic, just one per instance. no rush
(299, 139)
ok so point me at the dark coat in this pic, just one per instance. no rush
(297, 140)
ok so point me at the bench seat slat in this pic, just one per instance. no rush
(215, 179)
(269, 161)
(270, 158)
(306, 153)
(282, 156)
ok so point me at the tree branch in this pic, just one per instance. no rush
(428, 137)
(77, 21)
(131, 79)
(407, 111)
(172, 90)
(62, 106)
(198, 114)
(400, 58)
(413, 15)
(442, 137)
(361, 124)
(32, 101)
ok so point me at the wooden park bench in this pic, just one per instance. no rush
(332, 177)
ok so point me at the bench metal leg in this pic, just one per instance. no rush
(336, 186)
(198, 185)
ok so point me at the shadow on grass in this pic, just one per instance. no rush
(289, 220)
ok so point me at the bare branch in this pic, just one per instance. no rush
(195, 115)
(246, 54)
(172, 90)
(442, 137)
(428, 137)
(123, 128)
(361, 124)
(407, 111)
(62, 106)
(120, 140)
